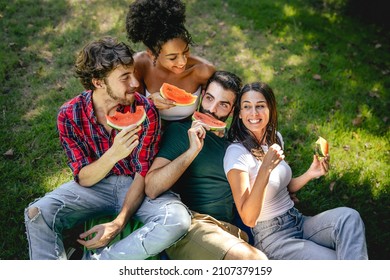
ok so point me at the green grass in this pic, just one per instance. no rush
(330, 74)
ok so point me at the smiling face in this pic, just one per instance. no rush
(254, 112)
(173, 55)
(121, 85)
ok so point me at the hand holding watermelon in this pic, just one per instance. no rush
(160, 102)
(178, 95)
(211, 122)
(124, 142)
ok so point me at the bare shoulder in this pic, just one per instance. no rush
(142, 59)
(202, 67)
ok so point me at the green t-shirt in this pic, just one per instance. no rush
(203, 187)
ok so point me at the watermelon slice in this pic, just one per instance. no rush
(321, 147)
(213, 123)
(121, 120)
(180, 96)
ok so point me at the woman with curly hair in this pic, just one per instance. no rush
(159, 25)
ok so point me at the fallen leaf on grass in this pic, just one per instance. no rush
(331, 186)
(285, 100)
(9, 153)
(317, 77)
(374, 94)
(357, 121)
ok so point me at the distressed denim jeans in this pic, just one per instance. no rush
(334, 234)
(165, 219)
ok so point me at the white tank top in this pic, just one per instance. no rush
(179, 112)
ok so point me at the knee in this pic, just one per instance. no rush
(261, 256)
(32, 213)
(352, 216)
(351, 213)
(244, 251)
(180, 218)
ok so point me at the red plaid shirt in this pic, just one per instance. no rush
(85, 140)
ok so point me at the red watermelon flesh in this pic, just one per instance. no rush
(180, 96)
(212, 122)
(121, 120)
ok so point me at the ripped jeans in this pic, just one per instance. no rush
(165, 219)
(334, 234)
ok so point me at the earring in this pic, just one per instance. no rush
(154, 62)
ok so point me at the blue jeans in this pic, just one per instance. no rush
(334, 234)
(165, 219)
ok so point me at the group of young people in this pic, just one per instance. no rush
(181, 180)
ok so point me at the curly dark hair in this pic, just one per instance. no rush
(154, 22)
(98, 58)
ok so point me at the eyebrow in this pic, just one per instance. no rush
(260, 101)
(124, 74)
(222, 101)
(185, 50)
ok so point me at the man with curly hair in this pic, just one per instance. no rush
(109, 167)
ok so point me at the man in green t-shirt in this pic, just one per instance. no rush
(190, 163)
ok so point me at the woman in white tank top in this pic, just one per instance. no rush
(159, 25)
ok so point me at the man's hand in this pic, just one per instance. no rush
(125, 142)
(196, 135)
(100, 235)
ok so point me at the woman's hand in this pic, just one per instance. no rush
(319, 167)
(273, 157)
(160, 102)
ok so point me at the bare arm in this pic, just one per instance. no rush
(317, 169)
(164, 173)
(250, 201)
(124, 143)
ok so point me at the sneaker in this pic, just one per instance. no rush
(74, 253)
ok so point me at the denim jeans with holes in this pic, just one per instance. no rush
(165, 220)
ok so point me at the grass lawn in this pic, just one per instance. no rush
(330, 73)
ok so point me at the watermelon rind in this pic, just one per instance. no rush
(176, 102)
(118, 127)
(212, 127)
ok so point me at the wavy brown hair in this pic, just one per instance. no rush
(98, 58)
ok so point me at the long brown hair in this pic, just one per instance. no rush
(239, 133)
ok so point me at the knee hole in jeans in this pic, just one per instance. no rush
(33, 212)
